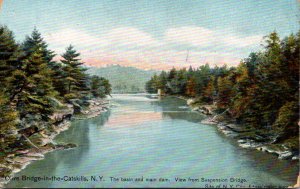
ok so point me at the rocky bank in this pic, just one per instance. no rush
(245, 137)
(34, 137)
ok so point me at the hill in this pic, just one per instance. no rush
(124, 79)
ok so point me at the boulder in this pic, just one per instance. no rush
(285, 155)
(190, 101)
(65, 146)
(77, 108)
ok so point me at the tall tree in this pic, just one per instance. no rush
(35, 42)
(30, 87)
(76, 78)
(9, 54)
(191, 87)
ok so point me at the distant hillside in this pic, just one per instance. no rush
(124, 79)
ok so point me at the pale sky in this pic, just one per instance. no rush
(153, 34)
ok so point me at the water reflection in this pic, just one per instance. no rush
(78, 133)
(130, 120)
(153, 138)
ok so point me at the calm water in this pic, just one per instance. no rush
(150, 138)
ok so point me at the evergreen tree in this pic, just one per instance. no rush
(76, 79)
(9, 54)
(34, 43)
(31, 87)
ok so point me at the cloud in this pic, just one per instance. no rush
(127, 36)
(129, 46)
(195, 36)
(124, 37)
(242, 41)
(65, 37)
(203, 37)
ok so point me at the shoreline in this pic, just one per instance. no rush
(20, 159)
(233, 130)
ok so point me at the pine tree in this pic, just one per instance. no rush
(9, 54)
(31, 87)
(76, 79)
(36, 42)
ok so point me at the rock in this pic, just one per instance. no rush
(35, 154)
(24, 160)
(10, 155)
(22, 151)
(77, 108)
(190, 101)
(285, 155)
(246, 143)
(195, 109)
(65, 146)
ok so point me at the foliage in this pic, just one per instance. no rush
(100, 86)
(31, 81)
(261, 92)
(7, 122)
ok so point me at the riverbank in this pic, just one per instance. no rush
(245, 137)
(36, 138)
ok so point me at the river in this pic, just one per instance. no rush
(152, 139)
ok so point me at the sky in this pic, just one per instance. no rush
(153, 34)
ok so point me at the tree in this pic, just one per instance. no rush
(75, 76)
(9, 54)
(153, 84)
(191, 87)
(225, 92)
(30, 87)
(36, 42)
(100, 87)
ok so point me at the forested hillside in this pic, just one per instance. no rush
(261, 93)
(34, 86)
(124, 79)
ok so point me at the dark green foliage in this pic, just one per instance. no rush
(261, 92)
(31, 82)
(7, 122)
(9, 53)
(100, 86)
(36, 42)
(30, 87)
(74, 74)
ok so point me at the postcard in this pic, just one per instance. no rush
(149, 94)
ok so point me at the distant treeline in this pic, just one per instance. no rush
(32, 82)
(262, 92)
